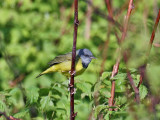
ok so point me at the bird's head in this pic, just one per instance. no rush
(86, 56)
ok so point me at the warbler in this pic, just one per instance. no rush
(62, 63)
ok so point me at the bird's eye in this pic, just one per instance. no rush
(87, 55)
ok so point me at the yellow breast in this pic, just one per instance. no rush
(65, 67)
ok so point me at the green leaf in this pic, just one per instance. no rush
(46, 103)
(21, 113)
(98, 109)
(105, 92)
(120, 76)
(105, 75)
(85, 87)
(62, 91)
(106, 117)
(143, 91)
(2, 106)
(32, 94)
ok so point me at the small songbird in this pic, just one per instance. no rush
(62, 63)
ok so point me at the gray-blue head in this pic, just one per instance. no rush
(86, 56)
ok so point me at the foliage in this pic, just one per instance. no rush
(33, 32)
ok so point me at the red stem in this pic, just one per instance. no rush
(130, 7)
(76, 22)
(125, 56)
(142, 71)
(114, 72)
(116, 66)
(8, 117)
(103, 15)
(154, 30)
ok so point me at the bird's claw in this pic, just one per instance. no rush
(70, 85)
(74, 92)
(73, 73)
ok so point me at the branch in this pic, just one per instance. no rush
(153, 32)
(8, 117)
(130, 7)
(104, 54)
(76, 23)
(114, 72)
(116, 66)
(88, 21)
(100, 13)
(125, 56)
(143, 67)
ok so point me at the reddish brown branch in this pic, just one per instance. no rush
(103, 15)
(142, 71)
(130, 7)
(133, 86)
(154, 99)
(76, 23)
(125, 56)
(8, 117)
(116, 66)
(108, 5)
(88, 21)
(153, 32)
(17, 80)
(114, 72)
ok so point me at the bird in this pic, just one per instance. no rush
(62, 63)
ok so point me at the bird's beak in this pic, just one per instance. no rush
(93, 57)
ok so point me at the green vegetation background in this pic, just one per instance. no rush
(33, 32)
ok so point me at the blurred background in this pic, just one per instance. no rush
(33, 32)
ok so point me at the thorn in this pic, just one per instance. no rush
(76, 22)
(74, 115)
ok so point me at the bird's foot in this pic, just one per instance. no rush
(71, 86)
(73, 73)
(74, 92)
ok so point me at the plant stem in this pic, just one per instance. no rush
(114, 72)
(153, 32)
(76, 22)
(8, 117)
(125, 56)
(142, 68)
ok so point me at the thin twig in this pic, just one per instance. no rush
(130, 7)
(153, 32)
(104, 54)
(114, 72)
(116, 66)
(142, 71)
(154, 99)
(76, 23)
(103, 15)
(8, 117)
(88, 21)
(125, 56)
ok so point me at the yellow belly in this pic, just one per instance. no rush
(65, 67)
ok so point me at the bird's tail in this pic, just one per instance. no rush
(51, 69)
(39, 75)
(46, 71)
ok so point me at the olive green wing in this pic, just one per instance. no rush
(60, 59)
